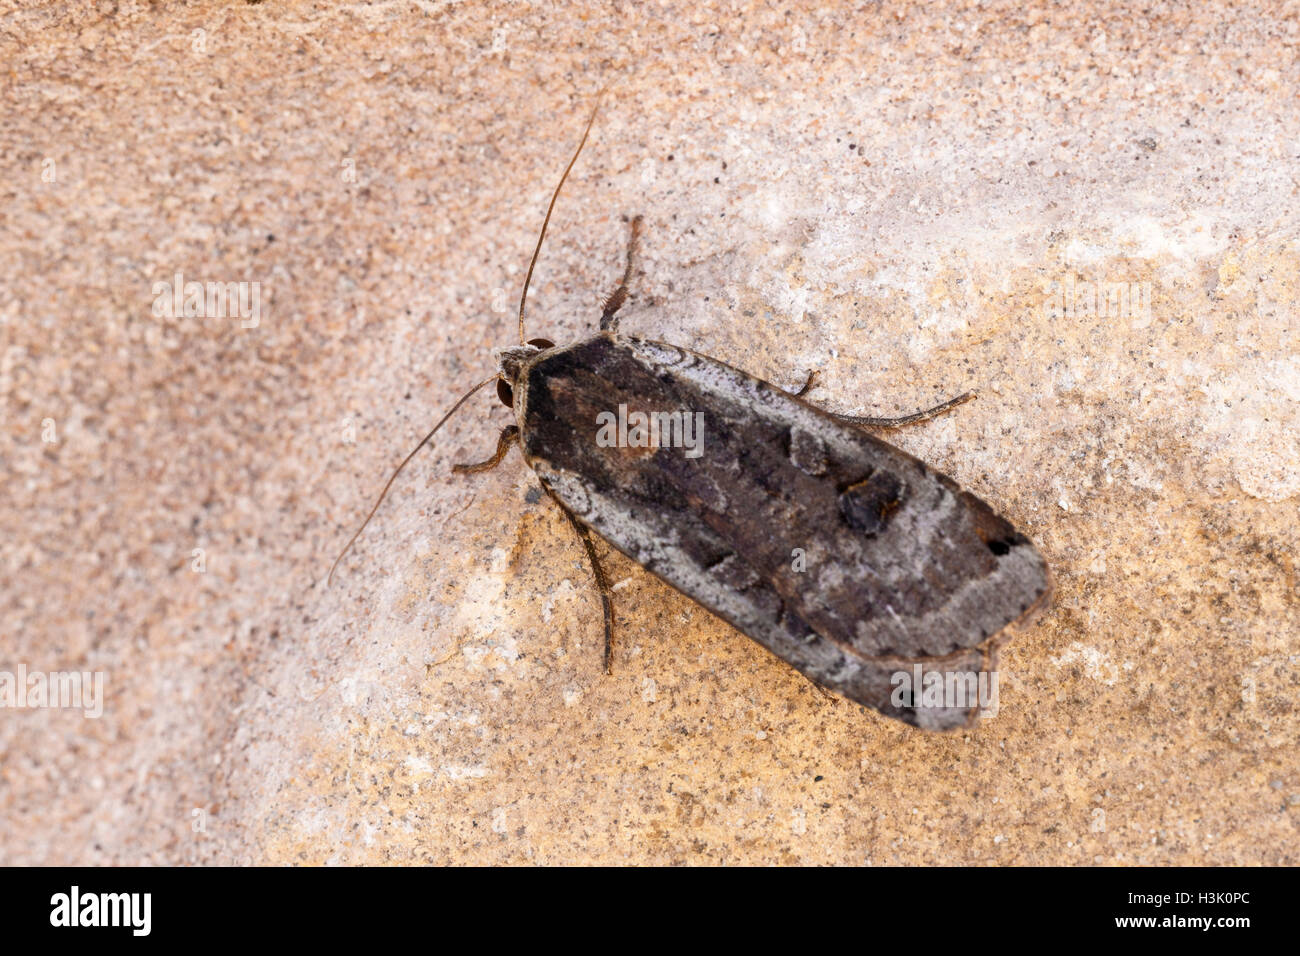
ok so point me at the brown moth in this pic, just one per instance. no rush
(872, 574)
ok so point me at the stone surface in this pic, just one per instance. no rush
(901, 196)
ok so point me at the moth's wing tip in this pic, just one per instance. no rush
(1041, 602)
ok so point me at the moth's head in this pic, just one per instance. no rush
(510, 362)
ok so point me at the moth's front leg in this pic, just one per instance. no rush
(608, 322)
(509, 435)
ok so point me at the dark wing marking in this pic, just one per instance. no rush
(900, 565)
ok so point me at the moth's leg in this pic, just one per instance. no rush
(908, 419)
(509, 435)
(888, 422)
(616, 298)
(819, 688)
(803, 389)
(602, 582)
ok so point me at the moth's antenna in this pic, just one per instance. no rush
(523, 297)
(463, 399)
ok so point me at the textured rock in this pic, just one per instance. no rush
(906, 197)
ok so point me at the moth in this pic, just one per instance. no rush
(844, 556)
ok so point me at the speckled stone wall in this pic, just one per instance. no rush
(915, 199)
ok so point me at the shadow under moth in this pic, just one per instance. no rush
(875, 576)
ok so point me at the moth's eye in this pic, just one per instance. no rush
(505, 393)
(542, 343)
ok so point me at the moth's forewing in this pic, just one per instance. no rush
(844, 556)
